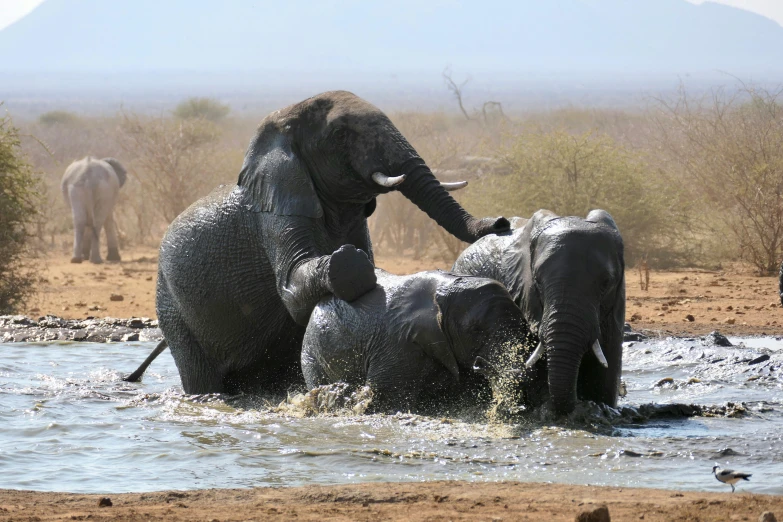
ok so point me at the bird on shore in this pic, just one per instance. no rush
(729, 476)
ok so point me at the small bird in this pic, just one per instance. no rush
(729, 476)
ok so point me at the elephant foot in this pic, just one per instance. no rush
(97, 261)
(351, 274)
(76, 260)
(114, 255)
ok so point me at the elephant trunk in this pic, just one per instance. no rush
(425, 191)
(567, 336)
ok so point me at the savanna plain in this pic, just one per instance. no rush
(693, 188)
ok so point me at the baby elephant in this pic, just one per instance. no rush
(416, 337)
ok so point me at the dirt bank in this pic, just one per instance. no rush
(690, 302)
(393, 501)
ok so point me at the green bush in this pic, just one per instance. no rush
(58, 118)
(573, 174)
(19, 198)
(204, 108)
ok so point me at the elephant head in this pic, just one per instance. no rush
(485, 332)
(331, 155)
(575, 303)
(122, 174)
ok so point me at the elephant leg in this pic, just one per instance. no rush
(95, 246)
(86, 242)
(111, 239)
(303, 275)
(79, 213)
(198, 373)
(360, 238)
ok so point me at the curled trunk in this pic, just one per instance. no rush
(425, 191)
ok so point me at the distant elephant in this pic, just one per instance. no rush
(90, 187)
(567, 274)
(241, 270)
(417, 335)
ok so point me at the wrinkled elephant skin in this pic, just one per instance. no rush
(417, 335)
(241, 270)
(567, 274)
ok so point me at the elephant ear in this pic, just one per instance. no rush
(122, 174)
(519, 259)
(277, 179)
(428, 329)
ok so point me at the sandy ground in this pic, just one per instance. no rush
(433, 501)
(689, 302)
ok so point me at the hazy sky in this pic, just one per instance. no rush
(12, 10)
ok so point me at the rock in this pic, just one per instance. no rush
(690, 318)
(131, 337)
(767, 516)
(718, 339)
(105, 502)
(759, 359)
(729, 320)
(665, 380)
(600, 514)
(116, 297)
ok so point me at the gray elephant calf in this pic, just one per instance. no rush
(567, 274)
(90, 187)
(416, 336)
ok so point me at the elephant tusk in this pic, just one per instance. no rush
(454, 186)
(536, 355)
(385, 181)
(600, 354)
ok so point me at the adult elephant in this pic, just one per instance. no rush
(90, 187)
(241, 270)
(567, 274)
(419, 337)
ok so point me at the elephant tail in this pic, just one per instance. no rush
(135, 376)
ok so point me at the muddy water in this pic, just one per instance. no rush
(68, 423)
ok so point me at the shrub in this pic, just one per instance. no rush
(19, 198)
(174, 162)
(728, 147)
(204, 108)
(58, 118)
(573, 174)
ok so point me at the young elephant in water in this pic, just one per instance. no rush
(567, 274)
(415, 336)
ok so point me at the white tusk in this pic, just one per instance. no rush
(454, 186)
(536, 355)
(385, 181)
(600, 354)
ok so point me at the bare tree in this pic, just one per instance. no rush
(174, 163)
(728, 147)
(455, 89)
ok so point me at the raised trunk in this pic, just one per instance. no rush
(426, 192)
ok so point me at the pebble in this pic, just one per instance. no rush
(116, 297)
(600, 514)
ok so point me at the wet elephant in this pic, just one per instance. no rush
(241, 270)
(418, 335)
(567, 274)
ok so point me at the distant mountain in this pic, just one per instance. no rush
(511, 38)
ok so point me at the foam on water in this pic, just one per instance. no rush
(68, 423)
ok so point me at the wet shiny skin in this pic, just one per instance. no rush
(70, 424)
